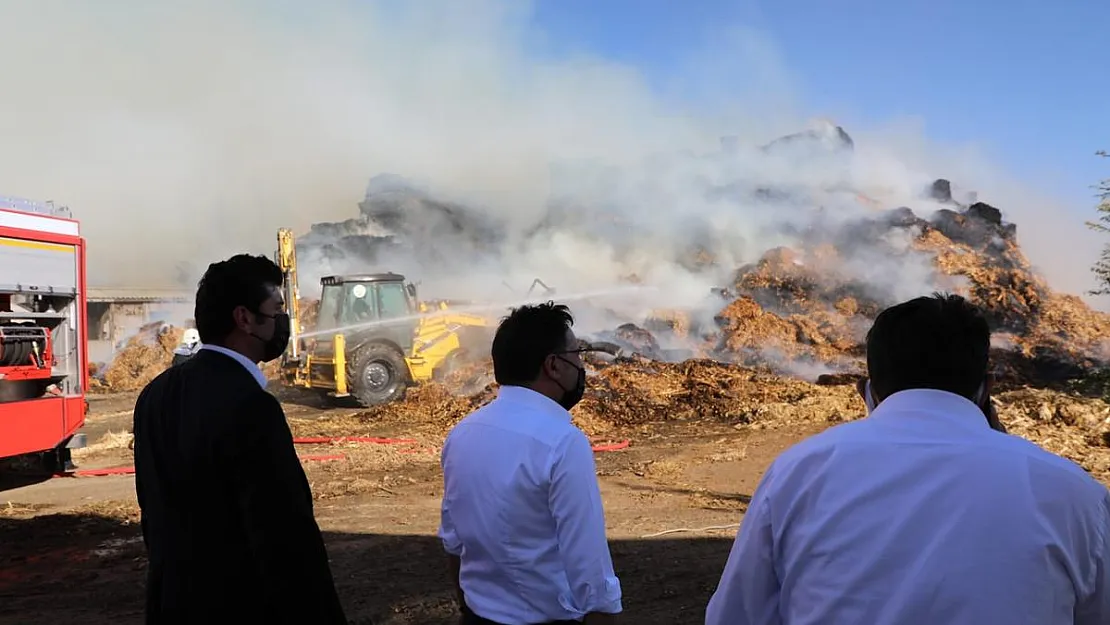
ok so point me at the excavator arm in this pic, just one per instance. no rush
(287, 261)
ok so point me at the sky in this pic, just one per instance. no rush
(1016, 78)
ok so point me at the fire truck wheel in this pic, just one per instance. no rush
(57, 460)
(377, 375)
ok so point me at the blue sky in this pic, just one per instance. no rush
(1019, 79)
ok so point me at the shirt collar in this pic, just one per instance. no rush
(935, 404)
(537, 401)
(251, 367)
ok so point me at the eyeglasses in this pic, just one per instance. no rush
(580, 350)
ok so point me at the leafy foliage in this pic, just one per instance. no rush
(1101, 268)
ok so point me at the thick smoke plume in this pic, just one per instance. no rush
(180, 133)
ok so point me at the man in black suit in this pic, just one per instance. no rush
(226, 509)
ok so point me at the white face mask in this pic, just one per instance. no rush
(869, 398)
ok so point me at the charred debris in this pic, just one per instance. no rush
(800, 310)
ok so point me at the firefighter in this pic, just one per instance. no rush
(190, 344)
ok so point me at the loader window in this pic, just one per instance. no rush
(393, 301)
(328, 316)
(358, 304)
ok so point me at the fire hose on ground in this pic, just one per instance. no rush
(330, 440)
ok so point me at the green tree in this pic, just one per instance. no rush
(1101, 268)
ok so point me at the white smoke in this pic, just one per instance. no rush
(185, 132)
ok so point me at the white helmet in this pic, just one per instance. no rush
(192, 337)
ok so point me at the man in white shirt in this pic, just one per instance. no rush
(921, 513)
(522, 519)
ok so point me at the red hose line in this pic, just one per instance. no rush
(625, 444)
(99, 472)
(327, 440)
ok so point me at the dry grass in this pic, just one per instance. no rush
(122, 512)
(729, 453)
(1074, 427)
(665, 469)
(16, 510)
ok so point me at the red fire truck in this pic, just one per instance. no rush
(43, 340)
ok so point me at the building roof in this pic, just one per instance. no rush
(139, 295)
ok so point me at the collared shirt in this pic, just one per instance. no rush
(919, 515)
(522, 509)
(252, 367)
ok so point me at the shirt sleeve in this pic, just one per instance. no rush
(575, 501)
(447, 534)
(1095, 608)
(748, 593)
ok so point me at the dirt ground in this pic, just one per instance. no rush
(72, 551)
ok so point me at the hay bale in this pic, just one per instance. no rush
(147, 354)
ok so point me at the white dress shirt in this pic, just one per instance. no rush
(252, 367)
(920, 515)
(522, 510)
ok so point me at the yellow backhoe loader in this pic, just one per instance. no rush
(373, 338)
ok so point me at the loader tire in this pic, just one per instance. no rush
(377, 375)
(449, 365)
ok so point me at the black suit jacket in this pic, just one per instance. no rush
(226, 509)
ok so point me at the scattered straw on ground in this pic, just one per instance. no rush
(368, 468)
(111, 441)
(17, 510)
(1075, 427)
(628, 398)
(122, 512)
(621, 397)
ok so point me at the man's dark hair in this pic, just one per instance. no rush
(526, 338)
(940, 342)
(242, 280)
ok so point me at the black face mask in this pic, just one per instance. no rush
(572, 396)
(275, 346)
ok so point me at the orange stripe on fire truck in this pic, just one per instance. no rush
(36, 245)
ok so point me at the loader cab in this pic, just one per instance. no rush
(376, 316)
(378, 304)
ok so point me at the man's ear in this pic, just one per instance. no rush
(861, 388)
(242, 318)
